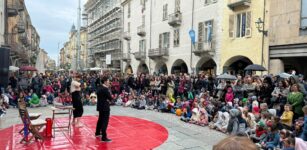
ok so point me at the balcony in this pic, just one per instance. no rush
(12, 8)
(21, 27)
(141, 30)
(127, 36)
(158, 52)
(175, 19)
(126, 57)
(204, 48)
(232, 4)
(140, 55)
(23, 38)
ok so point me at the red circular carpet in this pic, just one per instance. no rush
(127, 133)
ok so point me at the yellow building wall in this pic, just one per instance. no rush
(250, 47)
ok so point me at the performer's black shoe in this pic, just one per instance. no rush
(106, 140)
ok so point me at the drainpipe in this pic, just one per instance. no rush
(191, 56)
(150, 32)
(263, 36)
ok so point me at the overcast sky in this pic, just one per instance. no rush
(53, 20)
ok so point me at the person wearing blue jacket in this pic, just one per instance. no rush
(272, 139)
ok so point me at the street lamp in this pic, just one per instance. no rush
(260, 26)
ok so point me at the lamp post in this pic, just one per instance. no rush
(260, 27)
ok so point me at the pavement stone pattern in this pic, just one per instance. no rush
(182, 135)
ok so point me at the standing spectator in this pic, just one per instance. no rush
(279, 95)
(296, 99)
(13, 82)
(266, 91)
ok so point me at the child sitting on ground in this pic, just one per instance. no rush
(150, 103)
(142, 102)
(34, 102)
(66, 98)
(203, 120)
(271, 141)
(287, 117)
(195, 116)
(86, 100)
(43, 101)
(93, 99)
(260, 132)
(186, 115)
(119, 100)
(289, 144)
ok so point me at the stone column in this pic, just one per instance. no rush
(276, 66)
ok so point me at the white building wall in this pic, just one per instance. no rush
(202, 13)
(40, 62)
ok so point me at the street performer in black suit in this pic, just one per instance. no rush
(103, 106)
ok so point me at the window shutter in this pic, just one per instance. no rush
(177, 5)
(166, 12)
(144, 46)
(304, 15)
(200, 31)
(160, 40)
(140, 46)
(248, 30)
(175, 38)
(231, 26)
(168, 39)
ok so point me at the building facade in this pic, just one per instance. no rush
(2, 21)
(41, 61)
(20, 35)
(68, 53)
(288, 36)
(243, 43)
(104, 33)
(156, 36)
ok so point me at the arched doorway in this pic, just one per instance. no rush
(143, 68)
(179, 66)
(206, 65)
(236, 65)
(161, 68)
(128, 69)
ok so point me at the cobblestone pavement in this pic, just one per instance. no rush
(181, 135)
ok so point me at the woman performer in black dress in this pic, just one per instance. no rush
(76, 101)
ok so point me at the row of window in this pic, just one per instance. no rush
(106, 28)
(109, 46)
(102, 8)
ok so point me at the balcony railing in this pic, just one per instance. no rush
(12, 8)
(109, 47)
(17, 50)
(126, 57)
(201, 48)
(104, 21)
(140, 55)
(23, 38)
(175, 19)
(21, 27)
(141, 30)
(127, 36)
(158, 52)
(232, 4)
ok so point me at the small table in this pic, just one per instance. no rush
(61, 110)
